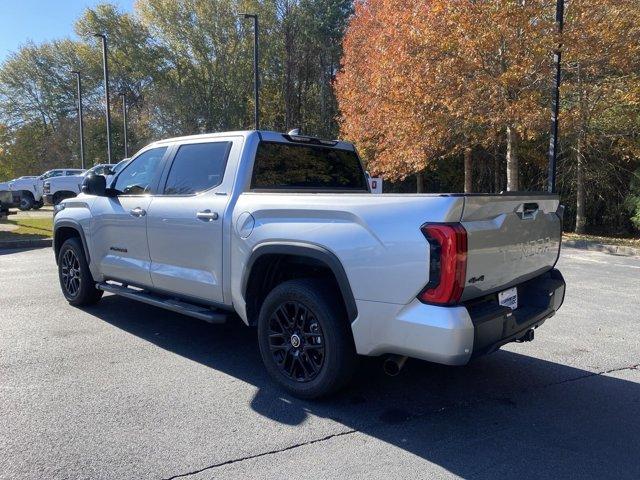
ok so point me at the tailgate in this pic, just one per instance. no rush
(510, 239)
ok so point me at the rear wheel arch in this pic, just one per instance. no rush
(28, 194)
(274, 263)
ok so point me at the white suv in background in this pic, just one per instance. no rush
(30, 188)
(57, 188)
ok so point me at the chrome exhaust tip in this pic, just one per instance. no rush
(393, 364)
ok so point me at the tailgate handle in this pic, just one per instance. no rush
(527, 211)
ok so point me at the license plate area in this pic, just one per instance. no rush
(509, 298)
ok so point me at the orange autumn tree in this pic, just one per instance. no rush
(426, 79)
(600, 92)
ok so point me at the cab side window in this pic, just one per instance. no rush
(139, 174)
(197, 167)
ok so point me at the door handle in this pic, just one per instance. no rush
(207, 215)
(138, 212)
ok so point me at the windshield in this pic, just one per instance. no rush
(102, 169)
(50, 173)
(120, 165)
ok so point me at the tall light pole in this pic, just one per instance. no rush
(105, 67)
(555, 99)
(80, 126)
(256, 78)
(124, 117)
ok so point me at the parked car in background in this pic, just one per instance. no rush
(30, 188)
(119, 166)
(116, 168)
(56, 189)
(7, 200)
(283, 231)
(5, 185)
(13, 198)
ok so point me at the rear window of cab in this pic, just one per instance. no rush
(290, 166)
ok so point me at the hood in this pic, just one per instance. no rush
(22, 182)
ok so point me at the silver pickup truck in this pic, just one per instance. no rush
(282, 231)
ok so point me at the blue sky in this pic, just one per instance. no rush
(41, 20)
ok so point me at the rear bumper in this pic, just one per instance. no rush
(494, 325)
(453, 335)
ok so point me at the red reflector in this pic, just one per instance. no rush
(448, 263)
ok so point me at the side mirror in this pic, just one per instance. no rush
(94, 185)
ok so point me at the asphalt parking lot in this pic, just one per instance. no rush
(126, 390)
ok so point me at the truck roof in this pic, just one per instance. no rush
(266, 135)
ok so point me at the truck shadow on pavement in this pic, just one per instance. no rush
(505, 415)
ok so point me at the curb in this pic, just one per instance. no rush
(602, 247)
(35, 243)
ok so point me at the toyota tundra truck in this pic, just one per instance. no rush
(282, 231)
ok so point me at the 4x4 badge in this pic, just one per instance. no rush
(477, 279)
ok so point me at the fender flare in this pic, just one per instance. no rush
(315, 252)
(78, 228)
(26, 193)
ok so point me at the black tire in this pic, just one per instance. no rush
(59, 196)
(310, 355)
(76, 281)
(38, 205)
(26, 202)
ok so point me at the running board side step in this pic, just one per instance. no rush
(196, 311)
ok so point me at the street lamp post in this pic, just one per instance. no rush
(555, 99)
(124, 117)
(256, 78)
(105, 67)
(80, 126)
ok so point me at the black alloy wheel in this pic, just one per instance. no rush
(296, 341)
(305, 338)
(70, 273)
(76, 281)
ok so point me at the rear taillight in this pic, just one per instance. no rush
(447, 263)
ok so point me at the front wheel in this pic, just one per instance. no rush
(26, 203)
(305, 338)
(76, 281)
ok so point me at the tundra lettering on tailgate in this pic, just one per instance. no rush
(530, 248)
